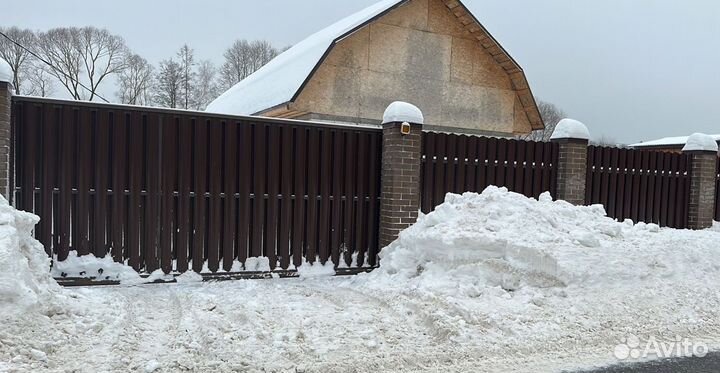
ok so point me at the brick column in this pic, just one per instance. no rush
(703, 168)
(572, 139)
(5, 106)
(401, 157)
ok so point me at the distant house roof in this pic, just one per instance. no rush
(669, 142)
(281, 80)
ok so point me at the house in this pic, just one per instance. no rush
(432, 53)
(667, 144)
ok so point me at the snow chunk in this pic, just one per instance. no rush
(88, 266)
(152, 366)
(570, 129)
(400, 111)
(6, 74)
(25, 281)
(260, 264)
(189, 277)
(317, 269)
(159, 276)
(701, 142)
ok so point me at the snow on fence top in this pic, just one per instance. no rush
(277, 82)
(701, 142)
(570, 129)
(6, 74)
(400, 111)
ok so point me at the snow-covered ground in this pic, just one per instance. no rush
(494, 282)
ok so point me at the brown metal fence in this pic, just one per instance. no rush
(460, 163)
(173, 189)
(645, 186)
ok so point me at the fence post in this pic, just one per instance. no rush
(703, 151)
(572, 138)
(401, 158)
(6, 91)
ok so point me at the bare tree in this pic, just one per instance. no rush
(58, 46)
(205, 88)
(41, 79)
(186, 55)
(244, 58)
(168, 90)
(135, 81)
(16, 56)
(261, 52)
(551, 115)
(85, 55)
(237, 65)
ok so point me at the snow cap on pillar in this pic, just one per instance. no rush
(6, 74)
(400, 111)
(570, 129)
(700, 142)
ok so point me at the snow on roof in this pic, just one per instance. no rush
(277, 82)
(668, 141)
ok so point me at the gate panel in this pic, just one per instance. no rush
(460, 163)
(178, 190)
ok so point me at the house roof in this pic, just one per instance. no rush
(667, 142)
(282, 79)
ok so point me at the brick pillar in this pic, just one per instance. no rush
(401, 157)
(5, 106)
(703, 168)
(572, 139)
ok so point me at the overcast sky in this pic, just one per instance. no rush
(630, 69)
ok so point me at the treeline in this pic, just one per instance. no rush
(85, 60)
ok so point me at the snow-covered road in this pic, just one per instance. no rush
(323, 325)
(317, 325)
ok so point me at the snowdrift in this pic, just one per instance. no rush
(25, 280)
(504, 239)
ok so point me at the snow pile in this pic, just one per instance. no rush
(25, 281)
(400, 111)
(6, 74)
(504, 239)
(570, 129)
(88, 266)
(545, 278)
(700, 142)
(497, 238)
